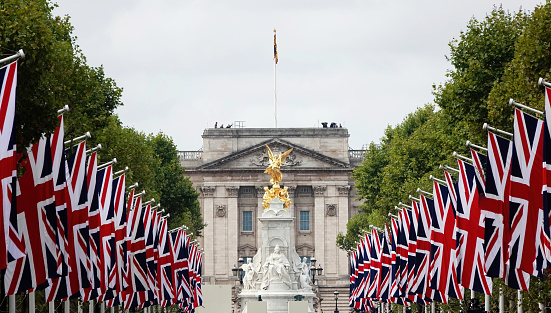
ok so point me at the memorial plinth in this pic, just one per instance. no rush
(279, 268)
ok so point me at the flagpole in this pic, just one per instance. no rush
(19, 54)
(275, 89)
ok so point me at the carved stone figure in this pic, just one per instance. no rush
(251, 275)
(276, 268)
(304, 276)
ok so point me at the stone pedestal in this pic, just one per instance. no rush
(276, 231)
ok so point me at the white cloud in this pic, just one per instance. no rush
(187, 64)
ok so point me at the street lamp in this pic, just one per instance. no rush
(238, 271)
(314, 270)
(336, 293)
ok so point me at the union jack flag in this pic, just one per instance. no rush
(78, 232)
(442, 268)
(395, 261)
(383, 294)
(402, 251)
(164, 265)
(364, 279)
(357, 276)
(36, 222)
(527, 216)
(422, 258)
(375, 268)
(94, 223)
(119, 258)
(107, 229)
(9, 233)
(470, 233)
(495, 206)
(413, 216)
(547, 167)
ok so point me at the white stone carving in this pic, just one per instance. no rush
(232, 191)
(331, 210)
(251, 275)
(208, 191)
(319, 190)
(276, 268)
(343, 190)
(221, 210)
(304, 276)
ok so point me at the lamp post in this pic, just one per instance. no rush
(238, 271)
(336, 293)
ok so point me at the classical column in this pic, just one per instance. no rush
(342, 193)
(232, 227)
(319, 225)
(207, 193)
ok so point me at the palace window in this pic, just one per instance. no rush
(304, 191)
(304, 221)
(247, 192)
(247, 221)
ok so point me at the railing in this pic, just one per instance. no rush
(190, 155)
(356, 154)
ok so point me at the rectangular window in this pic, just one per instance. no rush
(247, 221)
(304, 220)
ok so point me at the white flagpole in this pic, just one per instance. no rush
(275, 94)
(19, 54)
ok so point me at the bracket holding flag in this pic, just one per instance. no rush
(522, 106)
(437, 180)
(428, 194)
(96, 148)
(485, 126)
(70, 141)
(413, 198)
(63, 110)
(459, 156)
(543, 82)
(447, 168)
(472, 145)
(19, 54)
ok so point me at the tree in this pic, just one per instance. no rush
(479, 58)
(54, 73)
(178, 197)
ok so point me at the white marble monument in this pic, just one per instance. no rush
(276, 274)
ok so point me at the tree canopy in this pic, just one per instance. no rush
(494, 59)
(54, 73)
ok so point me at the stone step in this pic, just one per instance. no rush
(328, 302)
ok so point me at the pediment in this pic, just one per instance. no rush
(256, 157)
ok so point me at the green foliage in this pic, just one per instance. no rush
(54, 73)
(408, 155)
(178, 197)
(495, 59)
(479, 58)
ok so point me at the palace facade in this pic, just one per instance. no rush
(229, 174)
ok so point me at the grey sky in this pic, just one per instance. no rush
(185, 65)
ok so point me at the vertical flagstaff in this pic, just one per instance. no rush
(275, 94)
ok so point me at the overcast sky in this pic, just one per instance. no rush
(187, 64)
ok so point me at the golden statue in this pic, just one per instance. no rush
(274, 170)
(275, 163)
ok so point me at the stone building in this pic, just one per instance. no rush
(229, 174)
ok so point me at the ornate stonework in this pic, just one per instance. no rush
(208, 191)
(261, 159)
(330, 210)
(319, 190)
(232, 191)
(343, 190)
(221, 210)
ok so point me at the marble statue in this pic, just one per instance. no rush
(304, 275)
(276, 267)
(251, 275)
